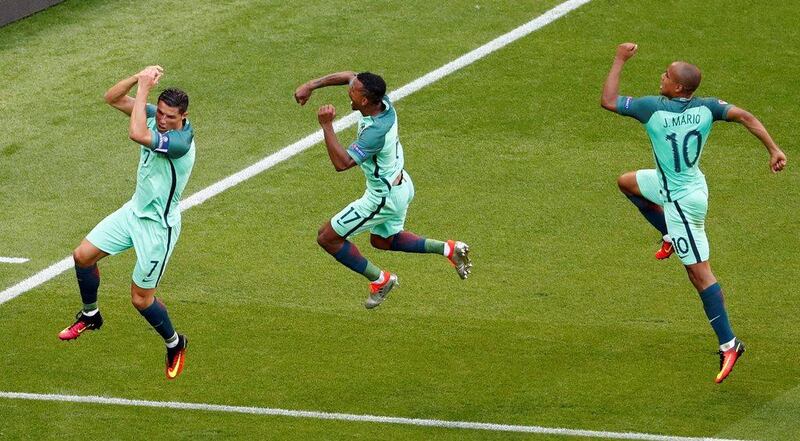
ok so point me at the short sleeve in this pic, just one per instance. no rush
(640, 108)
(369, 142)
(719, 109)
(150, 110)
(174, 143)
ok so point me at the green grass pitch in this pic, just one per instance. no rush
(567, 320)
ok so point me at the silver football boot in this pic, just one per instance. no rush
(460, 258)
(378, 294)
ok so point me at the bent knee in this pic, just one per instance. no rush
(627, 183)
(329, 239)
(140, 302)
(379, 242)
(81, 257)
(701, 275)
(321, 236)
(323, 239)
(320, 240)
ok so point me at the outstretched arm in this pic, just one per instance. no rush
(340, 159)
(777, 159)
(117, 96)
(611, 87)
(303, 91)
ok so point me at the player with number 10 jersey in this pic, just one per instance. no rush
(673, 197)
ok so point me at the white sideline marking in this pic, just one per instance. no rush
(316, 137)
(351, 417)
(13, 260)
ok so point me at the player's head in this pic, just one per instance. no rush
(173, 106)
(366, 90)
(680, 79)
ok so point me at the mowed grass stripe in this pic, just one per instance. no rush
(316, 137)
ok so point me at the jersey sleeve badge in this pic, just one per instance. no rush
(163, 143)
(355, 148)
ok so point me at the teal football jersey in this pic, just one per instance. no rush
(164, 169)
(378, 150)
(678, 129)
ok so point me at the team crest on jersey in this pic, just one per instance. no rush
(722, 102)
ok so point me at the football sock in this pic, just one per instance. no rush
(91, 313)
(714, 306)
(435, 246)
(650, 212)
(156, 315)
(411, 243)
(88, 282)
(728, 345)
(380, 279)
(350, 257)
(172, 341)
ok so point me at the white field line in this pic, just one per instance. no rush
(316, 137)
(13, 260)
(353, 418)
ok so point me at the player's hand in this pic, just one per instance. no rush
(326, 114)
(777, 161)
(147, 79)
(156, 70)
(302, 93)
(626, 50)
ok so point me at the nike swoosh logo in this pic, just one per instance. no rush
(724, 367)
(174, 370)
(713, 319)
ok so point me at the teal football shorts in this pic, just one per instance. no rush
(686, 218)
(384, 216)
(153, 243)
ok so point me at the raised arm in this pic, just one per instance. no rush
(117, 96)
(138, 130)
(777, 159)
(340, 159)
(303, 91)
(611, 87)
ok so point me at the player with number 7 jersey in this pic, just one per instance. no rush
(673, 197)
(150, 222)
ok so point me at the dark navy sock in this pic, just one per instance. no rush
(714, 306)
(655, 217)
(88, 282)
(350, 257)
(156, 315)
(408, 243)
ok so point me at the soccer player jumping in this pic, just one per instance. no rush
(382, 208)
(674, 196)
(151, 221)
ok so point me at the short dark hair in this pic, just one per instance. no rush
(374, 86)
(175, 98)
(688, 75)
